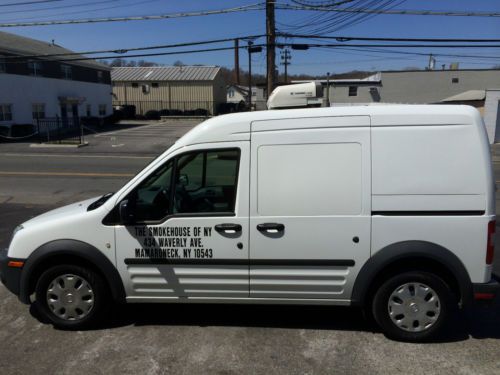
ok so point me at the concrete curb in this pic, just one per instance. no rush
(58, 145)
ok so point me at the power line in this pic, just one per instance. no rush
(70, 6)
(126, 50)
(399, 45)
(390, 55)
(246, 8)
(417, 53)
(139, 55)
(133, 4)
(322, 4)
(341, 39)
(341, 20)
(123, 52)
(328, 22)
(300, 46)
(60, 7)
(29, 3)
(406, 12)
(383, 39)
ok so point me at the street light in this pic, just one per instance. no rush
(250, 51)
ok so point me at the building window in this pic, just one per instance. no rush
(155, 85)
(145, 89)
(454, 80)
(353, 90)
(35, 68)
(100, 76)
(66, 72)
(231, 93)
(5, 112)
(38, 111)
(254, 93)
(102, 109)
(135, 84)
(3, 67)
(89, 110)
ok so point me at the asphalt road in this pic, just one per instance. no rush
(196, 339)
(57, 179)
(55, 175)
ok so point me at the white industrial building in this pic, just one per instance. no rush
(475, 87)
(38, 87)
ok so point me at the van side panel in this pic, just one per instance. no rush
(428, 168)
(434, 183)
(465, 236)
(316, 184)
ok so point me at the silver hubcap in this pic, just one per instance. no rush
(70, 297)
(414, 307)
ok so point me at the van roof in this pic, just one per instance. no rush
(237, 126)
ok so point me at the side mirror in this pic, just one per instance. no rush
(126, 213)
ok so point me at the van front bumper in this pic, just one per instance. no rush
(10, 276)
(487, 291)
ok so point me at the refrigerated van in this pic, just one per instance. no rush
(391, 208)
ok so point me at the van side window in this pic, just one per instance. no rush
(206, 182)
(151, 199)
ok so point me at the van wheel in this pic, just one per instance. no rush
(412, 306)
(71, 297)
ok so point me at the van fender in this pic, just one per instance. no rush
(79, 249)
(407, 250)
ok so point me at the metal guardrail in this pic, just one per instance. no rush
(60, 130)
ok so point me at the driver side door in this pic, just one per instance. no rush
(189, 236)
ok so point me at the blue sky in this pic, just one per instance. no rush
(141, 33)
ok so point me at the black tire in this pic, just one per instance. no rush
(100, 297)
(381, 309)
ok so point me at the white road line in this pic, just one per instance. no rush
(124, 130)
(77, 156)
(149, 134)
(62, 174)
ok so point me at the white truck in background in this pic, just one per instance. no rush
(301, 95)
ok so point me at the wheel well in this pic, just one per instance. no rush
(414, 264)
(56, 260)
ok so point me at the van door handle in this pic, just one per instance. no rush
(228, 228)
(270, 227)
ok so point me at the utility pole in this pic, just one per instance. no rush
(285, 60)
(432, 62)
(237, 60)
(270, 42)
(250, 51)
(250, 75)
(328, 89)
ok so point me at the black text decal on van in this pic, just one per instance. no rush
(172, 243)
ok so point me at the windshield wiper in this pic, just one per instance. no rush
(98, 203)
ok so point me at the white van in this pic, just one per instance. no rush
(391, 208)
